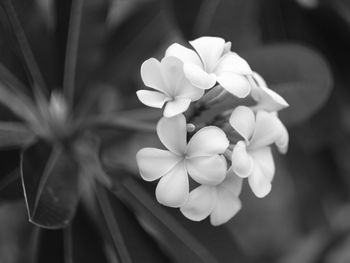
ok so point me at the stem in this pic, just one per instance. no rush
(39, 85)
(72, 49)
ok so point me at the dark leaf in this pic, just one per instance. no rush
(19, 238)
(82, 243)
(171, 235)
(15, 135)
(50, 181)
(50, 248)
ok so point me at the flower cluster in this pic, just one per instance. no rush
(202, 168)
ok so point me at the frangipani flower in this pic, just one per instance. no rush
(252, 156)
(221, 201)
(213, 62)
(172, 87)
(201, 158)
(267, 99)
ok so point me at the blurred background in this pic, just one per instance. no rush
(301, 48)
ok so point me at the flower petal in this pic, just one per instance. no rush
(236, 84)
(232, 182)
(198, 77)
(242, 163)
(200, 203)
(173, 188)
(268, 130)
(151, 98)
(264, 158)
(231, 62)
(227, 206)
(185, 54)
(207, 141)
(152, 76)
(243, 121)
(207, 170)
(177, 106)
(267, 99)
(259, 183)
(172, 69)
(154, 163)
(210, 49)
(185, 89)
(172, 133)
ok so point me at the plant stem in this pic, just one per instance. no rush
(72, 49)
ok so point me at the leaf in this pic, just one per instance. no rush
(14, 135)
(177, 241)
(50, 182)
(82, 243)
(297, 73)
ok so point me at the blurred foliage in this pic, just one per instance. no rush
(297, 47)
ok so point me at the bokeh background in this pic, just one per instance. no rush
(301, 48)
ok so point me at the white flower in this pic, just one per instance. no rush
(221, 202)
(201, 158)
(252, 156)
(213, 62)
(172, 87)
(266, 98)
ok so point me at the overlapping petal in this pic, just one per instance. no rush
(176, 106)
(208, 170)
(231, 62)
(147, 158)
(267, 99)
(198, 77)
(185, 89)
(259, 183)
(152, 76)
(207, 141)
(264, 159)
(200, 203)
(152, 98)
(236, 84)
(185, 54)
(242, 120)
(210, 49)
(173, 188)
(242, 163)
(268, 130)
(172, 133)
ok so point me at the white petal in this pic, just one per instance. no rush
(200, 203)
(236, 84)
(154, 163)
(267, 99)
(173, 188)
(207, 141)
(172, 133)
(232, 182)
(151, 98)
(185, 54)
(198, 77)
(259, 183)
(227, 47)
(227, 206)
(242, 163)
(152, 76)
(210, 49)
(185, 89)
(172, 69)
(231, 62)
(268, 130)
(177, 106)
(264, 158)
(243, 121)
(207, 170)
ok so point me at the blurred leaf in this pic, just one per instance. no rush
(19, 238)
(50, 182)
(298, 74)
(82, 243)
(10, 186)
(198, 242)
(14, 135)
(51, 246)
